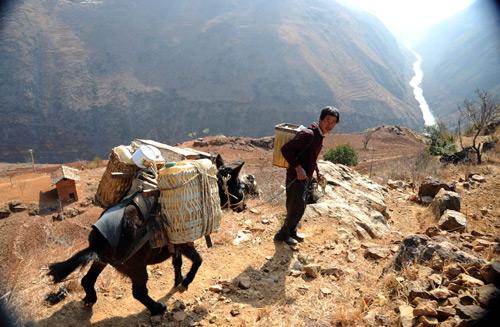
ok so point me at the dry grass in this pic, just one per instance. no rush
(411, 168)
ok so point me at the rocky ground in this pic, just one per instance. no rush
(374, 254)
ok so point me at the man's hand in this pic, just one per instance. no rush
(301, 173)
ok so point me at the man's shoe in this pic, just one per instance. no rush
(291, 241)
(299, 237)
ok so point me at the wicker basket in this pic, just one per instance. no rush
(189, 200)
(112, 188)
(284, 133)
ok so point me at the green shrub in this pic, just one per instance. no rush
(342, 154)
(442, 141)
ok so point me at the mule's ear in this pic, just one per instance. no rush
(237, 169)
(219, 162)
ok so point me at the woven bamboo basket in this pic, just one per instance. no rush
(284, 133)
(189, 200)
(112, 188)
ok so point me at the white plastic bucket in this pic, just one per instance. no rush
(148, 153)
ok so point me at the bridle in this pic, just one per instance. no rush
(228, 204)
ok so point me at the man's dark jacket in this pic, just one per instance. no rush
(303, 150)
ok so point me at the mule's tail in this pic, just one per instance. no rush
(61, 270)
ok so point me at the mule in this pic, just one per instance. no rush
(231, 188)
(101, 252)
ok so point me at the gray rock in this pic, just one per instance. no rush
(422, 248)
(426, 199)
(325, 291)
(332, 270)
(444, 312)
(440, 293)
(478, 178)
(297, 265)
(17, 206)
(456, 288)
(452, 270)
(58, 217)
(353, 201)
(486, 293)
(179, 316)
(470, 311)
(414, 293)
(430, 187)
(244, 282)
(466, 299)
(445, 200)
(468, 281)
(4, 211)
(428, 321)
(491, 273)
(426, 308)
(406, 316)
(377, 253)
(452, 220)
(435, 279)
(312, 270)
(216, 288)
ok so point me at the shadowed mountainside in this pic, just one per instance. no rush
(460, 56)
(80, 77)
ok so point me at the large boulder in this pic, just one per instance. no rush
(352, 201)
(445, 200)
(431, 186)
(452, 221)
(422, 248)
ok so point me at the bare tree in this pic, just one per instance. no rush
(480, 114)
(367, 136)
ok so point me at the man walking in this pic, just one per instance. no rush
(301, 153)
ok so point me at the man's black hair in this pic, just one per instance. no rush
(330, 111)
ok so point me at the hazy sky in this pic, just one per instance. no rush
(409, 19)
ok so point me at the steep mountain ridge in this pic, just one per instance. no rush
(80, 77)
(461, 55)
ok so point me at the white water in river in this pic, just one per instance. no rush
(418, 93)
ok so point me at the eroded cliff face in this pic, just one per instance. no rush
(78, 78)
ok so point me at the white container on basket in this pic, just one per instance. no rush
(147, 153)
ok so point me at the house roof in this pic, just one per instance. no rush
(65, 172)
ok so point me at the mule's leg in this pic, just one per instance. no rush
(193, 255)
(88, 282)
(177, 263)
(140, 291)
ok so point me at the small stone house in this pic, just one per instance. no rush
(65, 181)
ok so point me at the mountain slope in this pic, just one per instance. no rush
(80, 77)
(461, 55)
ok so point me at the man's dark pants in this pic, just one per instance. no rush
(295, 208)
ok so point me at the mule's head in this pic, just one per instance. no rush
(230, 187)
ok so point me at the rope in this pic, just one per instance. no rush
(281, 192)
(228, 204)
(206, 196)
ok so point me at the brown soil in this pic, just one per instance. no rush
(30, 243)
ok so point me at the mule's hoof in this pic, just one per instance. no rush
(88, 305)
(181, 288)
(178, 281)
(159, 309)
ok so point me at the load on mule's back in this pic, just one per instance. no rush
(143, 238)
(189, 200)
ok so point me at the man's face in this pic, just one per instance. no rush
(327, 123)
